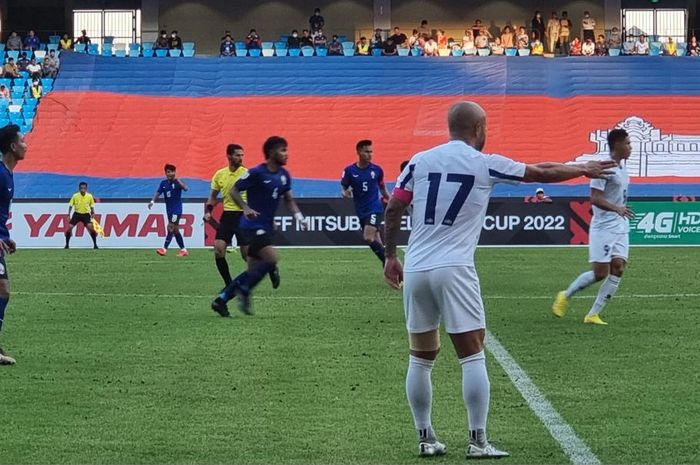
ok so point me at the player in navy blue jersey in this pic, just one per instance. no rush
(364, 183)
(13, 150)
(264, 186)
(171, 188)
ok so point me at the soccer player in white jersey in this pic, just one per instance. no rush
(449, 188)
(608, 235)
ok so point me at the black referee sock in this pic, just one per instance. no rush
(94, 239)
(378, 250)
(68, 234)
(222, 266)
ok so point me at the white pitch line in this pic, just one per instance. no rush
(573, 446)
(329, 297)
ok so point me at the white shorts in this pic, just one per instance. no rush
(451, 293)
(603, 246)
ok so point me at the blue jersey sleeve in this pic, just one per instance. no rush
(289, 181)
(161, 188)
(345, 180)
(247, 181)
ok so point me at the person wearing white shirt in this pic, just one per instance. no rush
(588, 48)
(34, 69)
(588, 26)
(449, 187)
(641, 47)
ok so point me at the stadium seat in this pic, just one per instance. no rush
(268, 52)
(443, 52)
(457, 52)
(321, 52)
(241, 52)
(2, 46)
(188, 46)
(348, 45)
(6, 82)
(416, 51)
(18, 101)
(146, 46)
(2, 56)
(161, 52)
(47, 84)
(254, 52)
(14, 54)
(19, 82)
(120, 53)
(175, 52)
(376, 52)
(403, 52)
(470, 51)
(80, 48)
(148, 53)
(39, 55)
(51, 47)
(523, 52)
(284, 38)
(680, 50)
(307, 51)
(483, 52)
(54, 39)
(511, 52)
(281, 52)
(342, 38)
(12, 108)
(294, 52)
(30, 105)
(267, 45)
(349, 52)
(189, 53)
(24, 75)
(109, 40)
(17, 94)
(107, 50)
(614, 52)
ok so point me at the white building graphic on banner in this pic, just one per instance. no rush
(653, 153)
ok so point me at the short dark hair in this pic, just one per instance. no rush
(317, 10)
(273, 143)
(8, 135)
(362, 144)
(423, 21)
(404, 164)
(82, 183)
(615, 136)
(294, 30)
(174, 32)
(230, 148)
(169, 167)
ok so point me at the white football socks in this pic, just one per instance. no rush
(583, 281)
(475, 390)
(605, 293)
(419, 391)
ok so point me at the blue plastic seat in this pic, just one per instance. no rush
(281, 52)
(281, 45)
(108, 40)
(120, 53)
(17, 94)
(681, 50)
(416, 51)
(511, 52)
(523, 52)
(483, 52)
(54, 39)
(161, 52)
(175, 52)
(18, 101)
(47, 83)
(147, 46)
(321, 52)
(189, 53)
(294, 52)
(376, 52)
(307, 51)
(457, 52)
(240, 45)
(50, 47)
(348, 45)
(614, 52)
(14, 54)
(107, 50)
(254, 52)
(403, 52)
(349, 52)
(2, 56)
(267, 45)
(80, 48)
(188, 46)
(149, 52)
(241, 52)
(6, 82)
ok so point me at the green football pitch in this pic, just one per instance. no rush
(120, 360)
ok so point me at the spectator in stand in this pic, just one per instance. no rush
(537, 25)
(523, 39)
(4, 92)
(227, 47)
(588, 26)
(66, 43)
(553, 29)
(84, 39)
(389, 47)
(293, 41)
(34, 69)
(31, 42)
(482, 40)
(670, 48)
(253, 40)
(335, 48)
(468, 40)
(363, 46)
(414, 40)
(320, 39)
(14, 42)
(476, 28)
(615, 40)
(175, 41)
(536, 46)
(226, 35)
(641, 47)
(588, 48)
(399, 38)
(37, 89)
(22, 63)
(564, 33)
(424, 30)
(10, 69)
(601, 48)
(507, 38)
(377, 41)
(306, 39)
(575, 49)
(497, 47)
(441, 39)
(316, 21)
(162, 42)
(693, 49)
(431, 48)
(540, 197)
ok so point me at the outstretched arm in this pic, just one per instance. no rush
(557, 172)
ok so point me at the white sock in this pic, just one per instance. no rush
(475, 390)
(419, 391)
(605, 293)
(583, 281)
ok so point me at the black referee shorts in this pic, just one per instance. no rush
(229, 226)
(80, 218)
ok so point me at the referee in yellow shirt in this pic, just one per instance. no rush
(222, 183)
(83, 205)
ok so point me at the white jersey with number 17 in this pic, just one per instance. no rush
(450, 186)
